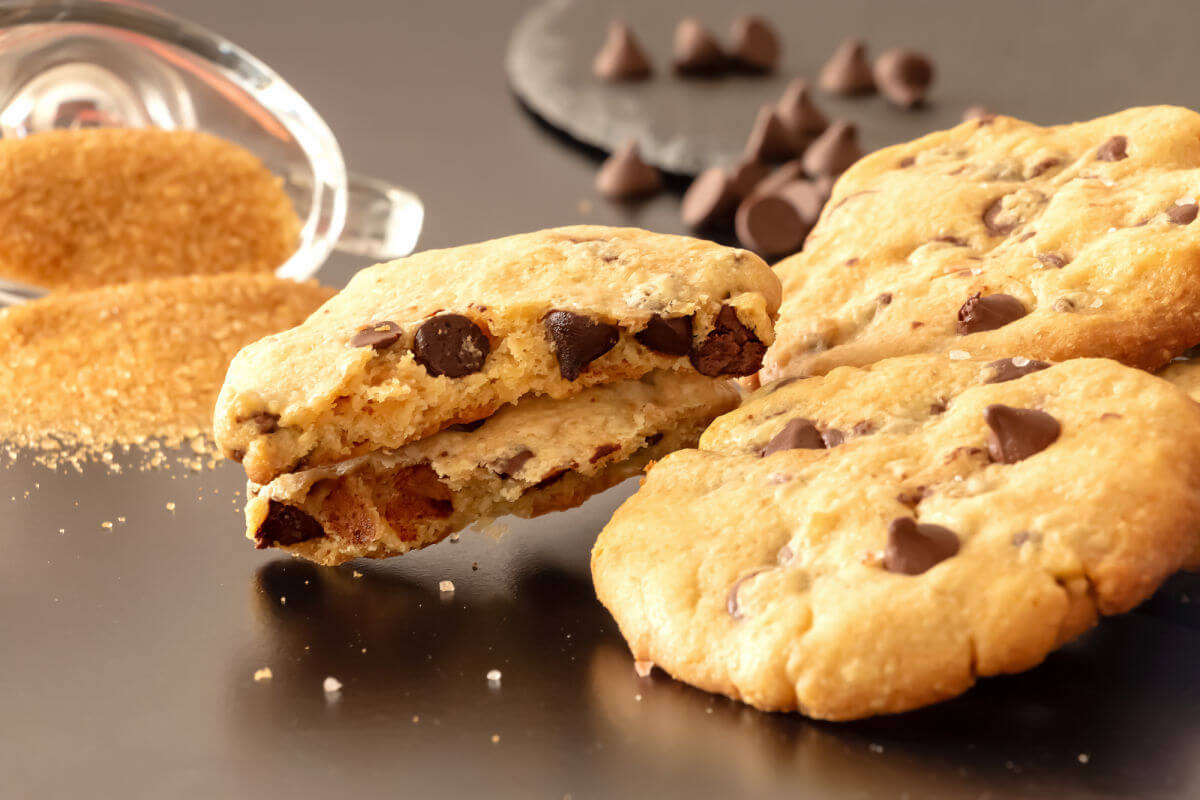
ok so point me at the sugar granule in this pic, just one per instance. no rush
(263, 674)
(138, 364)
(643, 668)
(446, 587)
(331, 685)
(493, 676)
(87, 208)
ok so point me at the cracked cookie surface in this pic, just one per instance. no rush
(448, 336)
(999, 237)
(912, 526)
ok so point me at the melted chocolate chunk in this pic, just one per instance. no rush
(467, 427)
(1009, 369)
(1043, 165)
(450, 345)
(511, 465)
(578, 340)
(1018, 433)
(602, 451)
(884, 299)
(863, 428)
(1184, 214)
(988, 313)
(654, 439)
(1052, 260)
(730, 348)
(672, 337)
(799, 434)
(731, 601)
(914, 547)
(286, 525)
(832, 437)
(994, 226)
(264, 421)
(379, 335)
(912, 497)
(1113, 149)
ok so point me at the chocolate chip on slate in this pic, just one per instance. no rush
(903, 76)
(755, 44)
(264, 421)
(1018, 433)
(847, 70)
(802, 120)
(980, 113)
(832, 437)
(578, 340)
(1052, 260)
(730, 348)
(833, 151)
(1009, 369)
(782, 175)
(696, 52)
(286, 525)
(1113, 149)
(625, 176)
(746, 176)
(914, 547)
(806, 197)
(1183, 214)
(988, 313)
(622, 57)
(768, 140)
(770, 225)
(510, 465)
(798, 434)
(450, 345)
(710, 201)
(672, 337)
(379, 335)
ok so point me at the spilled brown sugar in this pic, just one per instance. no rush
(141, 363)
(86, 208)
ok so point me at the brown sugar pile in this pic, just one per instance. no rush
(141, 362)
(87, 208)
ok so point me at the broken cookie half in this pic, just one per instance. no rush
(527, 459)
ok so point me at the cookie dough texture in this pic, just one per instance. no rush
(86, 208)
(537, 456)
(1090, 227)
(767, 578)
(311, 397)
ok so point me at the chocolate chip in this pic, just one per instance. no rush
(847, 70)
(1009, 369)
(833, 151)
(988, 313)
(1018, 433)
(264, 421)
(991, 221)
(710, 201)
(467, 427)
(1113, 149)
(1183, 214)
(832, 437)
(780, 176)
(450, 345)
(903, 76)
(954, 240)
(511, 465)
(914, 547)
(286, 525)
(798, 434)
(625, 176)
(747, 175)
(1043, 165)
(654, 439)
(770, 225)
(1063, 304)
(755, 44)
(980, 113)
(884, 299)
(552, 477)
(1052, 260)
(379, 335)
(939, 406)
(672, 337)
(769, 140)
(602, 451)
(863, 427)
(622, 57)
(806, 197)
(800, 117)
(730, 348)
(912, 497)
(731, 601)
(696, 52)
(578, 340)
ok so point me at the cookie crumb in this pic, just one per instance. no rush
(416, 718)
(1084, 758)
(875, 748)
(495, 738)
(643, 667)
(331, 685)
(356, 574)
(170, 505)
(282, 600)
(959, 355)
(263, 674)
(106, 525)
(446, 587)
(493, 676)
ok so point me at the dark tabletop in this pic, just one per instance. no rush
(127, 655)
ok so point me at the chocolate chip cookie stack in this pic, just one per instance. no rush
(516, 376)
(918, 496)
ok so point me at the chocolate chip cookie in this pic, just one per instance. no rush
(527, 459)
(449, 336)
(874, 540)
(1000, 237)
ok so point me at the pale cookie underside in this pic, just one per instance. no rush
(1090, 227)
(775, 579)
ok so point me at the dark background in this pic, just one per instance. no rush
(127, 655)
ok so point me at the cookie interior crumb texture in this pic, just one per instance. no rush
(86, 208)
(83, 371)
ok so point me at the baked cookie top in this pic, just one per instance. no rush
(448, 336)
(873, 540)
(1000, 236)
